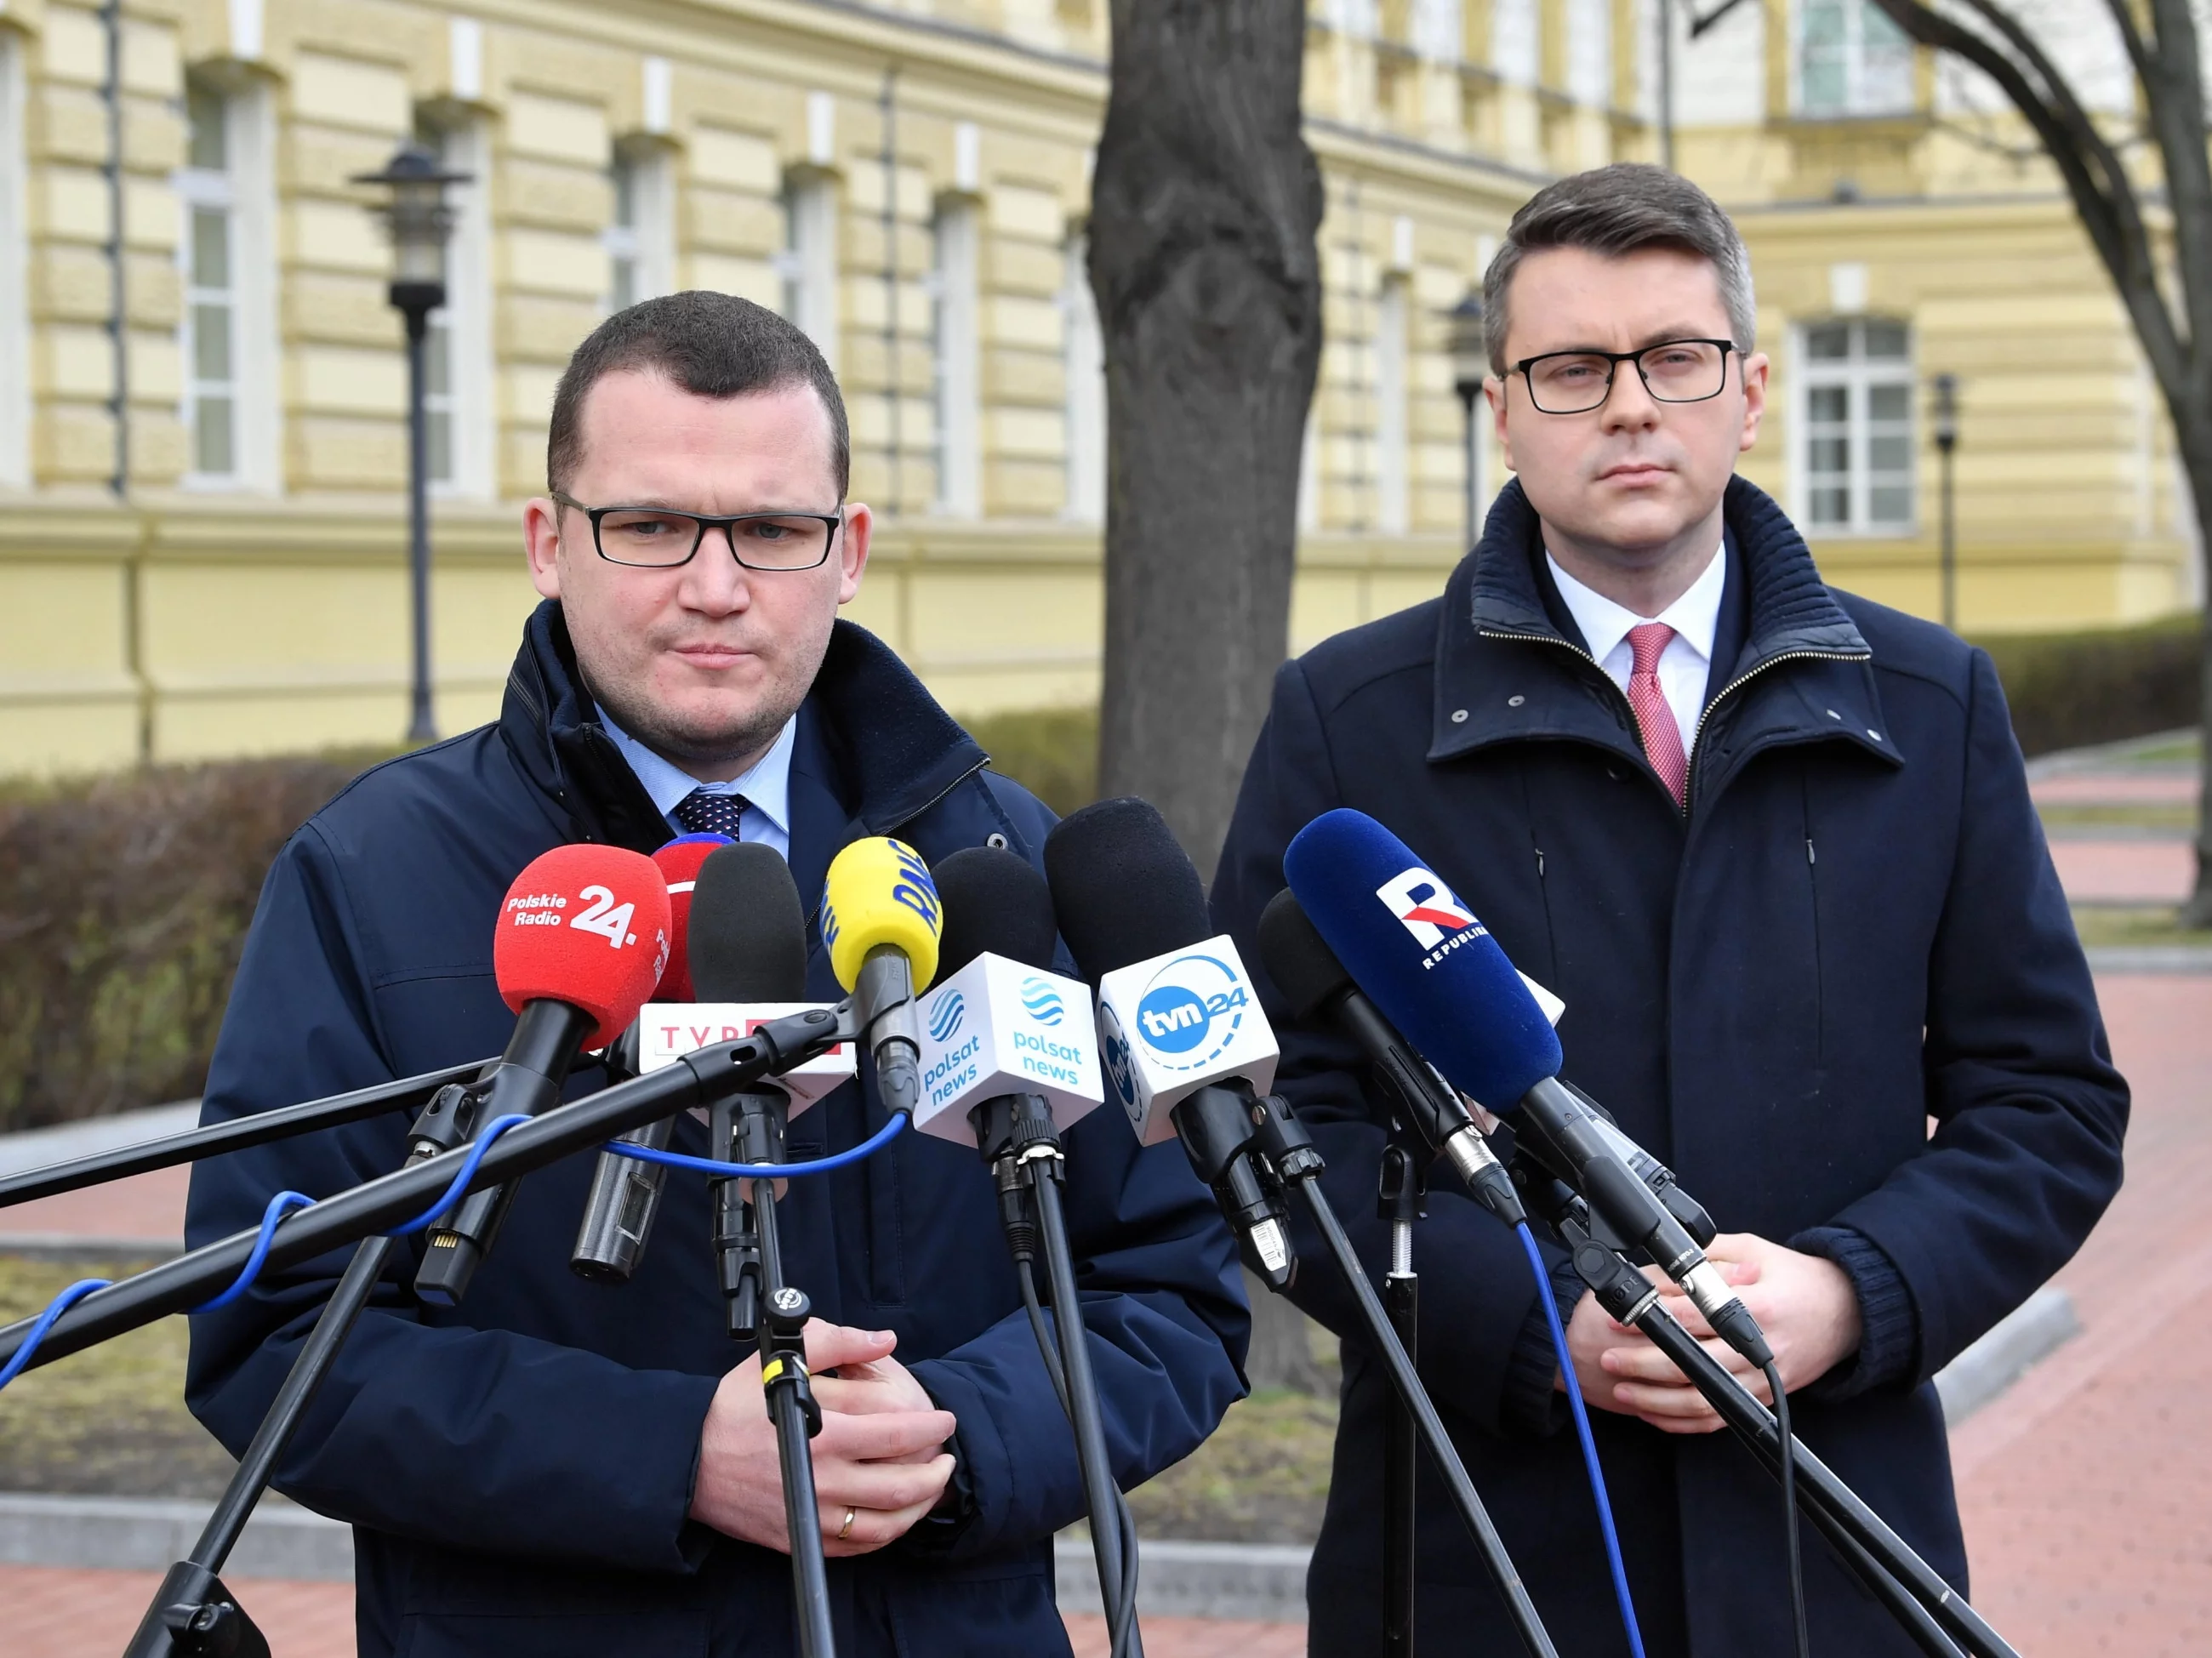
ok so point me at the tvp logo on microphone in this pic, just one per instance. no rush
(997, 1027)
(1168, 1026)
(1429, 910)
(669, 1030)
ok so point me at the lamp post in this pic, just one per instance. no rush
(1946, 413)
(1470, 361)
(419, 220)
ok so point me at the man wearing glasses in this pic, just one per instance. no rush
(1774, 846)
(559, 1467)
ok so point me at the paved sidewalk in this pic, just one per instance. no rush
(2125, 871)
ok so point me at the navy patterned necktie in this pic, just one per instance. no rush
(704, 813)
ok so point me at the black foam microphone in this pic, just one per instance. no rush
(1316, 986)
(746, 941)
(1126, 894)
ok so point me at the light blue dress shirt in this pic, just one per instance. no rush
(767, 786)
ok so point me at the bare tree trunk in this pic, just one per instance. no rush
(2195, 446)
(1204, 209)
(1205, 206)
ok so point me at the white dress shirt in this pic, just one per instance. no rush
(1685, 665)
(767, 786)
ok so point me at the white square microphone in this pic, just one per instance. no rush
(1169, 1025)
(1003, 1026)
(668, 1031)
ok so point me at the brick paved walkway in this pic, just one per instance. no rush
(2125, 872)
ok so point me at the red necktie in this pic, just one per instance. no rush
(1662, 738)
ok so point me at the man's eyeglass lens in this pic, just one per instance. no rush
(767, 542)
(1571, 383)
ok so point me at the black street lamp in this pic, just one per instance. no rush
(1946, 413)
(419, 220)
(1470, 361)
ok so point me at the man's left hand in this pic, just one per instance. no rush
(1804, 1303)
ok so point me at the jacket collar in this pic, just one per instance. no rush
(895, 752)
(1485, 694)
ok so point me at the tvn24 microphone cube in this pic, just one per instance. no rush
(668, 1031)
(1000, 1027)
(1171, 1024)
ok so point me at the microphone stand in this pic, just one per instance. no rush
(1939, 1618)
(1289, 1150)
(1399, 1202)
(748, 1128)
(1016, 1135)
(259, 1129)
(192, 1614)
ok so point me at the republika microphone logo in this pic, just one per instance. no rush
(945, 1016)
(1429, 910)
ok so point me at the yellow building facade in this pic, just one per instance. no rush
(910, 182)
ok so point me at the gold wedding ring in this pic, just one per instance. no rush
(846, 1530)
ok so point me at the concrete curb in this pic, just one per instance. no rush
(2150, 958)
(2114, 757)
(2041, 1325)
(147, 1534)
(1262, 1581)
(70, 1246)
(34, 1148)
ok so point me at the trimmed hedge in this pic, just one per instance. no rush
(2074, 690)
(124, 904)
(124, 899)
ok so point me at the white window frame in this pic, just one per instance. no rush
(1084, 360)
(647, 243)
(1862, 97)
(461, 328)
(956, 238)
(1857, 375)
(14, 273)
(1394, 405)
(808, 263)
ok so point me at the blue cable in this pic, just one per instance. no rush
(868, 1147)
(1574, 1392)
(60, 1304)
(284, 1202)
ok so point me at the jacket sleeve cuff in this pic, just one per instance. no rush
(1531, 1407)
(1889, 1324)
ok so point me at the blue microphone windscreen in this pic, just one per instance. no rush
(1420, 954)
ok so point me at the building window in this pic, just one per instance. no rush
(1857, 381)
(1589, 53)
(210, 406)
(1852, 60)
(1392, 472)
(640, 241)
(1086, 367)
(809, 263)
(953, 337)
(458, 369)
(14, 309)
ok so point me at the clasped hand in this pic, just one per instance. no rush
(881, 1451)
(1804, 1303)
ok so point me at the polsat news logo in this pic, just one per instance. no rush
(1428, 909)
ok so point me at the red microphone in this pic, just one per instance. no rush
(625, 1192)
(678, 863)
(581, 940)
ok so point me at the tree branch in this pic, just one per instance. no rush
(2173, 88)
(2108, 207)
(2124, 18)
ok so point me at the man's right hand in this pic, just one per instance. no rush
(1619, 1368)
(884, 1460)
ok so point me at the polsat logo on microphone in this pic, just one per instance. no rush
(1428, 909)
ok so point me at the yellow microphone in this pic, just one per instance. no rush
(881, 919)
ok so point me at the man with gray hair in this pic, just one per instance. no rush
(1773, 844)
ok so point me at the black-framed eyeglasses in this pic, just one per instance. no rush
(1674, 371)
(661, 538)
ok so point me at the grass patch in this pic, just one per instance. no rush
(2173, 815)
(2101, 925)
(1263, 1478)
(109, 1421)
(2184, 750)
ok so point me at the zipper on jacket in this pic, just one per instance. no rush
(1697, 732)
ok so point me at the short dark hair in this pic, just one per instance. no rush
(713, 345)
(1616, 210)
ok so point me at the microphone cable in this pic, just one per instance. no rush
(1789, 1459)
(1573, 1390)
